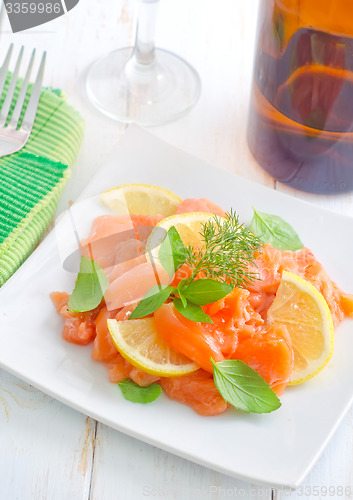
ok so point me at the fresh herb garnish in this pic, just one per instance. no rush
(191, 311)
(136, 394)
(205, 291)
(227, 252)
(243, 387)
(172, 252)
(153, 299)
(275, 230)
(182, 296)
(90, 287)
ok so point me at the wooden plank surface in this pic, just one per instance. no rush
(48, 450)
(149, 472)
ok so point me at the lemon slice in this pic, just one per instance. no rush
(303, 310)
(188, 226)
(140, 199)
(138, 342)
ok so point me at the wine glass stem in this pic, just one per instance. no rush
(145, 32)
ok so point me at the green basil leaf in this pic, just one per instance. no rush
(275, 230)
(182, 298)
(90, 287)
(172, 252)
(243, 387)
(206, 291)
(136, 394)
(153, 299)
(191, 311)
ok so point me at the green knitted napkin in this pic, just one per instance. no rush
(32, 179)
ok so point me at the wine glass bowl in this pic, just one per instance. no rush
(142, 84)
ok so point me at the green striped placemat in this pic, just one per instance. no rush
(31, 180)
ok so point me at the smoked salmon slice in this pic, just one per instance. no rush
(79, 328)
(199, 205)
(187, 337)
(196, 390)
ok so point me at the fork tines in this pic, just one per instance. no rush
(31, 110)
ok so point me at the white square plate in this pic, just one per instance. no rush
(277, 448)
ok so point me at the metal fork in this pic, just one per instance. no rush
(13, 137)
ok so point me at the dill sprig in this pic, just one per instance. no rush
(228, 251)
(223, 261)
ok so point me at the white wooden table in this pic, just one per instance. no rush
(49, 451)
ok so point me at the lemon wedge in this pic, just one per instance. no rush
(140, 199)
(138, 342)
(188, 226)
(303, 310)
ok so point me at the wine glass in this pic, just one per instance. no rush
(143, 84)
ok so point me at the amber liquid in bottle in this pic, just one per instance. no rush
(301, 118)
